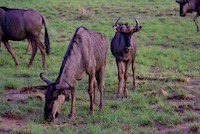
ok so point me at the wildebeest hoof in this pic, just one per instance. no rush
(71, 116)
(125, 96)
(17, 63)
(95, 101)
(91, 112)
(29, 65)
(134, 87)
(101, 107)
(44, 66)
(118, 97)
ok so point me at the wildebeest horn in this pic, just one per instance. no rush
(117, 21)
(178, 1)
(137, 22)
(44, 79)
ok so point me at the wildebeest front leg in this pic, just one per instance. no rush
(134, 76)
(125, 80)
(194, 19)
(91, 91)
(43, 53)
(34, 50)
(8, 47)
(120, 68)
(0, 40)
(73, 101)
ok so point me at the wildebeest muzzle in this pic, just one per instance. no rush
(48, 117)
(127, 49)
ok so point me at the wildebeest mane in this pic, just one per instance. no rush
(68, 52)
(8, 9)
(5, 8)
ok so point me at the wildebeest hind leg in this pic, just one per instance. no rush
(94, 94)
(34, 50)
(134, 76)
(100, 80)
(91, 90)
(8, 47)
(43, 53)
(194, 19)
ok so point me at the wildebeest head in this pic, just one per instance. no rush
(54, 98)
(184, 7)
(126, 32)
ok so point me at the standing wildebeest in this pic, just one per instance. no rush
(86, 53)
(188, 6)
(19, 24)
(123, 47)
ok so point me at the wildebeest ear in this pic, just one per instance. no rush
(136, 29)
(178, 1)
(61, 91)
(116, 29)
(41, 87)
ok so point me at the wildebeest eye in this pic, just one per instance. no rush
(54, 98)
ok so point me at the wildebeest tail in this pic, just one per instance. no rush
(46, 40)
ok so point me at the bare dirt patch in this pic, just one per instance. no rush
(183, 128)
(184, 103)
(13, 118)
(23, 93)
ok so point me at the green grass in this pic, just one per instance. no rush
(168, 47)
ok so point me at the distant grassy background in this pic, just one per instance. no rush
(168, 47)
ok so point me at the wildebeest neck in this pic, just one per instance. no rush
(11, 23)
(71, 62)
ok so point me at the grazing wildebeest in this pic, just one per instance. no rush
(20, 24)
(86, 53)
(189, 6)
(123, 47)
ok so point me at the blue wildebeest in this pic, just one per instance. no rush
(123, 47)
(189, 6)
(19, 24)
(86, 53)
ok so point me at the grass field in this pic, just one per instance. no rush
(168, 58)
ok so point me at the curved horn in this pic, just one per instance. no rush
(44, 79)
(137, 22)
(178, 1)
(117, 21)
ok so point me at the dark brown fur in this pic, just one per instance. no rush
(86, 54)
(123, 47)
(19, 24)
(189, 6)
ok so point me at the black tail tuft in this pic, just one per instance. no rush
(46, 41)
